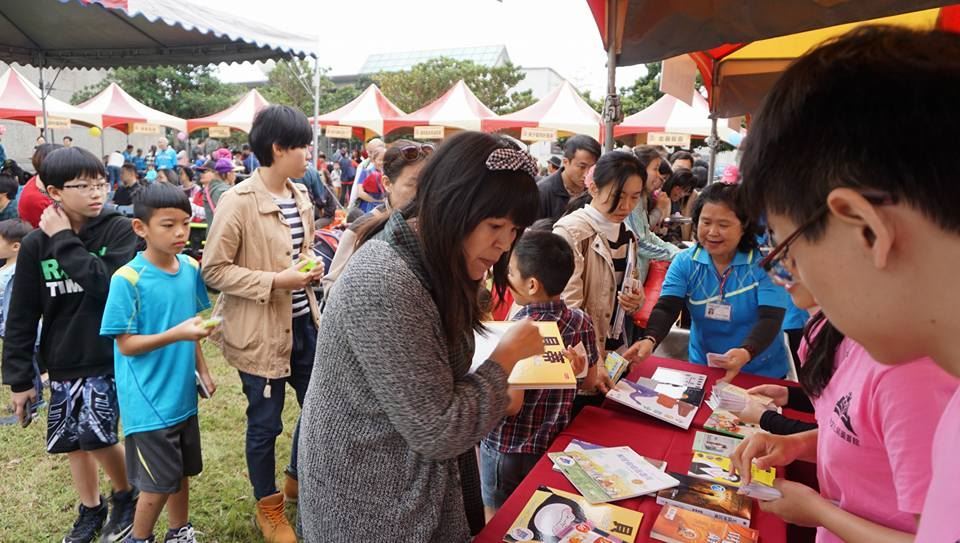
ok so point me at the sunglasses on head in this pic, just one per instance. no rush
(415, 151)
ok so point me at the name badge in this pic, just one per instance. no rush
(719, 311)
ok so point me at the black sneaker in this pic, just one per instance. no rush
(124, 505)
(88, 524)
(184, 534)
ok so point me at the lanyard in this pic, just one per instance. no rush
(723, 279)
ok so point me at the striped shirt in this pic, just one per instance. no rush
(545, 413)
(291, 217)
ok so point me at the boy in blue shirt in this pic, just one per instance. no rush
(151, 312)
(539, 269)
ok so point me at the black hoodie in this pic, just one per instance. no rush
(65, 280)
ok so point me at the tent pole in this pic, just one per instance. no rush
(714, 138)
(43, 96)
(316, 110)
(609, 114)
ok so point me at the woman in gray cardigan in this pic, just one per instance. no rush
(392, 413)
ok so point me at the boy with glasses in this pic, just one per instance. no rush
(870, 228)
(63, 276)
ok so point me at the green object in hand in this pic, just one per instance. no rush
(308, 265)
(211, 322)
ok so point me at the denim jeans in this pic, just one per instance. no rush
(265, 415)
(501, 473)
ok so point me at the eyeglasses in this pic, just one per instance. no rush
(87, 188)
(774, 260)
(416, 151)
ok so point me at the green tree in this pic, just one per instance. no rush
(182, 91)
(644, 91)
(597, 105)
(291, 83)
(425, 82)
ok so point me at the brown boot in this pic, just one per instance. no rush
(291, 489)
(272, 521)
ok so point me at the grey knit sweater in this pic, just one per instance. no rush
(390, 406)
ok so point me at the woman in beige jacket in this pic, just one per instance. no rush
(604, 250)
(255, 255)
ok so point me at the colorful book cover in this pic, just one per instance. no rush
(643, 396)
(676, 525)
(717, 468)
(715, 444)
(727, 423)
(548, 371)
(549, 511)
(682, 385)
(585, 532)
(615, 365)
(611, 474)
(709, 498)
(578, 445)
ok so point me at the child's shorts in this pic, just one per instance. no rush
(158, 460)
(83, 415)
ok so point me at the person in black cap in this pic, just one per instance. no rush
(553, 165)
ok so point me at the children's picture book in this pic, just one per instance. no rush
(644, 397)
(682, 385)
(717, 468)
(578, 445)
(676, 525)
(551, 370)
(727, 423)
(706, 442)
(611, 474)
(549, 512)
(615, 365)
(586, 532)
(709, 498)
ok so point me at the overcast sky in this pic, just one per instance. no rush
(558, 34)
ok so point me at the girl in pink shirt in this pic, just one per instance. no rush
(872, 447)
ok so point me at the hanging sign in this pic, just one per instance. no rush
(219, 131)
(145, 128)
(538, 134)
(428, 132)
(54, 122)
(665, 138)
(339, 132)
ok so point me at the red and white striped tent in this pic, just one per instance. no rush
(370, 111)
(20, 101)
(672, 115)
(124, 112)
(239, 116)
(458, 108)
(563, 110)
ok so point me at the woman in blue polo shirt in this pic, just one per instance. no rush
(736, 309)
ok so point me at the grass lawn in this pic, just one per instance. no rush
(39, 503)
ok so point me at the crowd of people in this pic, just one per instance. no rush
(375, 341)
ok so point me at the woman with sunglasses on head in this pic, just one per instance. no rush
(873, 448)
(401, 165)
(735, 308)
(391, 418)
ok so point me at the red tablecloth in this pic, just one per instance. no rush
(618, 425)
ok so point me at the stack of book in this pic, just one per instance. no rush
(725, 422)
(728, 397)
(676, 525)
(611, 474)
(709, 498)
(670, 395)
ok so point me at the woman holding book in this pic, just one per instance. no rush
(736, 310)
(873, 448)
(392, 417)
(605, 282)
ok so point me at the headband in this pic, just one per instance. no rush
(513, 160)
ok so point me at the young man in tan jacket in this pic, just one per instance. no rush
(258, 254)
